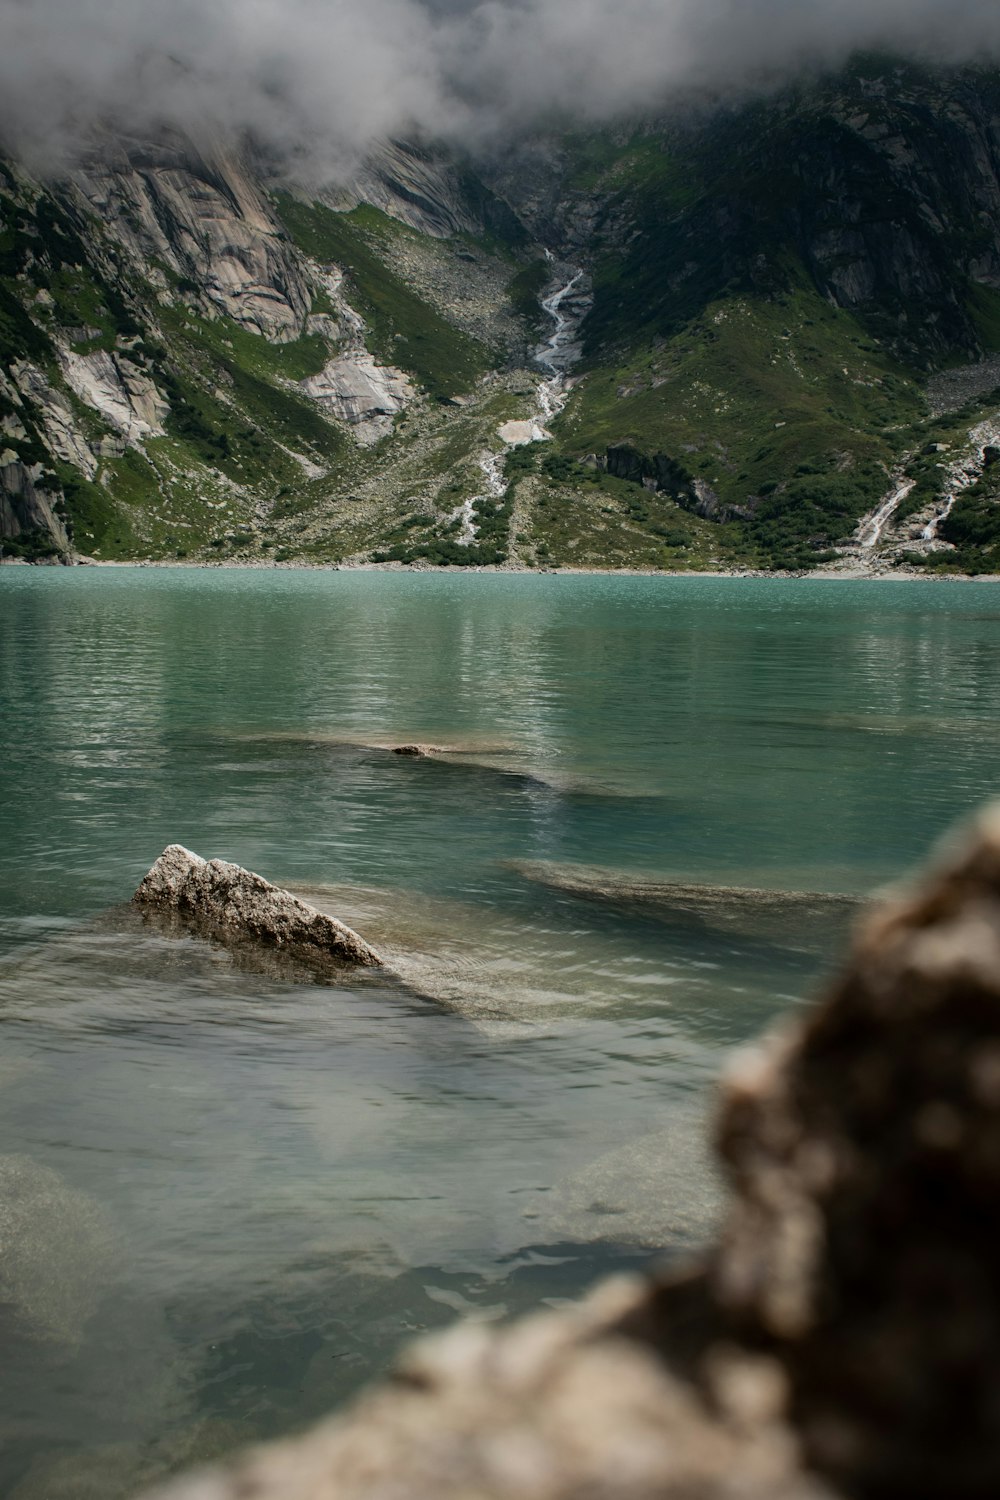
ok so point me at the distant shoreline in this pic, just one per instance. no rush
(847, 575)
(824, 575)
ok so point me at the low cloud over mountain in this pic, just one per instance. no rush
(322, 79)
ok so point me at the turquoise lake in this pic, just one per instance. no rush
(228, 1194)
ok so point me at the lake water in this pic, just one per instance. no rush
(227, 1194)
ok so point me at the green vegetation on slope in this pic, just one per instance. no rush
(771, 285)
(525, 290)
(256, 414)
(973, 524)
(781, 412)
(581, 516)
(403, 329)
(43, 256)
(811, 180)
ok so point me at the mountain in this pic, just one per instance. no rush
(774, 285)
(196, 363)
(769, 343)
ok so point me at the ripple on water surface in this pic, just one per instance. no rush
(234, 1193)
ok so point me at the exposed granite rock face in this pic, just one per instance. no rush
(236, 904)
(421, 187)
(362, 393)
(625, 462)
(120, 391)
(24, 506)
(57, 418)
(890, 198)
(32, 504)
(661, 473)
(516, 434)
(939, 175)
(843, 1340)
(204, 216)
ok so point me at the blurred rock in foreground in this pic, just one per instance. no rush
(844, 1338)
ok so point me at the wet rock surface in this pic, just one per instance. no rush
(844, 1337)
(234, 904)
(792, 916)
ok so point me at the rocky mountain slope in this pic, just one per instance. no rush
(773, 285)
(777, 318)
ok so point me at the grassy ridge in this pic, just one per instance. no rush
(402, 329)
(773, 283)
(782, 406)
(716, 340)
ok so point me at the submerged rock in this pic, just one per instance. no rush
(842, 1340)
(742, 910)
(558, 1406)
(58, 1251)
(237, 904)
(660, 1192)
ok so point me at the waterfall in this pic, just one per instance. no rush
(560, 350)
(871, 529)
(558, 353)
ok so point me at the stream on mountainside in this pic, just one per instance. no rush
(964, 472)
(960, 473)
(557, 355)
(871, 529)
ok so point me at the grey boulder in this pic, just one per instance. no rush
(236, 904)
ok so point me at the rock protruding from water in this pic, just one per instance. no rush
(237, 904)
(842, 1340)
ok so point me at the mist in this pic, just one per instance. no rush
(320, 80)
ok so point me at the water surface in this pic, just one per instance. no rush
(234, 1194)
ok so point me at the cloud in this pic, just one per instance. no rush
(325, 78)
